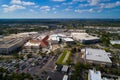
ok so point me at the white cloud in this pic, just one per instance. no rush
(28, 3)
(22, 2)
(53, 8)
(16, 2)
(64, 3)
(4, 5)
(83, 5)
(57, 6)
(36, 6)
(58, 0)
(69, 8)
(79, 11)
(98, 5)
(13, 8)
(78, 0)
(72, 2)
(16, 5)
(68, 3)
(55, 12)
(84, 10)
(45, 8)
(91, 10)
(93, 2)
(110, 5)
(31, 10)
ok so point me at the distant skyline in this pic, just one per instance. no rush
(59, 9)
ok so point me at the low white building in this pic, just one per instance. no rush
(115, 42)
(97, 56)
(65, 77)
(32, 47)
(31, 44)
(55, 38)
(84, 38)
(94, 75)
(68, 40)
(65, 68)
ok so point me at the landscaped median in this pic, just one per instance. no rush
(63, 59)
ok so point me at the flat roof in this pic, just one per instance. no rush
(58, 35)
(97, 55)
(65, 68)
(65, 77)
(14, 39)
(10, 43)
(115, 42)
(32, 44)
(83, 36)
(25, 33)
(68, 39)
(54, 38)
(95, 75)
(61, 35)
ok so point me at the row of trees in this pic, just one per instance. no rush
(6, 75)
(80, 68)
(105, 39)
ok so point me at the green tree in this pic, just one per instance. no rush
(29, 55)
(105, 39)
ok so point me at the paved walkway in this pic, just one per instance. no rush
(66, 57)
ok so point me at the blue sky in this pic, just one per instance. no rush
(59, 8)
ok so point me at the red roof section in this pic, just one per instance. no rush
(44, 42)
(45, 38)
(34, 41)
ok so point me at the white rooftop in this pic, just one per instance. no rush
(32, 44)
(54, 37)
(115, 42)
(68, 39)
(61, 35)
(65, 77)
(65, 68)
(83, 36)
(25, 33)
(94, 75)
(58, 35)
(97, 55)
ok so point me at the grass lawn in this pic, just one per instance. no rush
(60, 60)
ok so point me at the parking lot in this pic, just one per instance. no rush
(41, 66)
